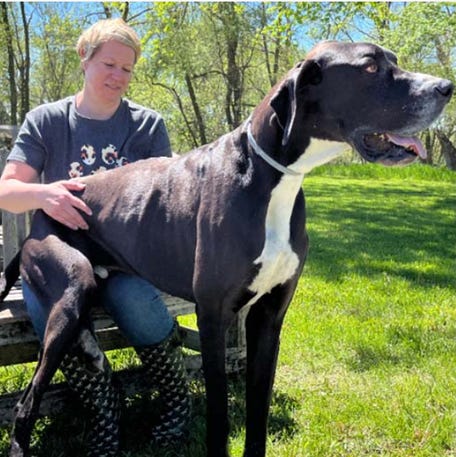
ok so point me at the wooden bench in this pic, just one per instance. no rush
(19, 344)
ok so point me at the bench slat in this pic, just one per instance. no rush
(13, 310)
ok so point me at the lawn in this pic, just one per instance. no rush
(368, 357)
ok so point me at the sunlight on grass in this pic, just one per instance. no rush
(369, 344)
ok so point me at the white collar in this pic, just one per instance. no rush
(266, 157)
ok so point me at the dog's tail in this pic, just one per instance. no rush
(10, 276)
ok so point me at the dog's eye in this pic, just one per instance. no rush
(371, 68)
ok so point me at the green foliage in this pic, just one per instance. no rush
(225, 56)
(57, 73)
(205, 66)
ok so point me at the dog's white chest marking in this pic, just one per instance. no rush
(278, 262)
(318, 153)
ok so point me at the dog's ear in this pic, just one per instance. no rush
(285, 101)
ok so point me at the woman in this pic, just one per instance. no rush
(96, 130)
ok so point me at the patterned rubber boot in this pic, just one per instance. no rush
(93, 386)
(164, 366)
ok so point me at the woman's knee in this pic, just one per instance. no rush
(137, 308)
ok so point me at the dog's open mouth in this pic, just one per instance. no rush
(389, 148)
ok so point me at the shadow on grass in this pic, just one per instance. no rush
(405, 346)
(63, 434)
(373, 230)
(401, 230)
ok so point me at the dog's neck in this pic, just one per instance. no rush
(265, 156)
(315, 152)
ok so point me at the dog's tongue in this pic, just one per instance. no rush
(409, 143)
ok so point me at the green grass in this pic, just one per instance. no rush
(368, 357)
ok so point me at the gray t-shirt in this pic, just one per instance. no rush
(60, 143)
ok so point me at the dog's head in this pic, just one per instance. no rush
(356, 93)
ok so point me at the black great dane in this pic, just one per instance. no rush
(224, 226)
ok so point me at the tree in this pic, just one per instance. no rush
(24, 64)
(8, 39)
(56, 72)
(14, 23)
(205, 66)
(448, 149)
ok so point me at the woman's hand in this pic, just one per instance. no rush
(62, 206)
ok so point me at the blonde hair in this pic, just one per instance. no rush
(106, 30)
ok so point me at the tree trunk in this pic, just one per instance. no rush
(11, 66)
(25, 70)
(234, 85)
(125, 11)
(448, 150)
(196, 110)
(271, 68)
(429, 141)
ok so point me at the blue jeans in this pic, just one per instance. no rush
(134, 304)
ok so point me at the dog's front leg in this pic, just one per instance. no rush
(212, 332)
(263, 325)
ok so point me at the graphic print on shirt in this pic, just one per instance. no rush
(88, 154)
(93, 161)
(109, 154)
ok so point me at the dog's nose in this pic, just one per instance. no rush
(445, 88)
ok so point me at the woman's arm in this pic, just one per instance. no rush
(21, 191)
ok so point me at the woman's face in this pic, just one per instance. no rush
(108, 73)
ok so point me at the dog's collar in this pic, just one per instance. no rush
(265, 157)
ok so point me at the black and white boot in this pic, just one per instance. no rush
(92, 384)
(164, 366)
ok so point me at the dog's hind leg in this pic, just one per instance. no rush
(62, 278)
(263, 326)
